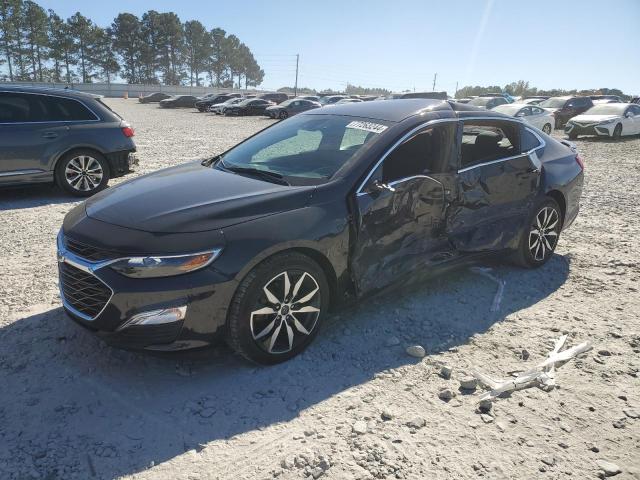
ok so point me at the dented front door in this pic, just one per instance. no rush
(398, 227)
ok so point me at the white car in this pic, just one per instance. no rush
(219, 107)
(606, 120)
(532, 114)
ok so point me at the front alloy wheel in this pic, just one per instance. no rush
(277, 309)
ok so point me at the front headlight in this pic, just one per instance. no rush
(164, 266)
(605, 122)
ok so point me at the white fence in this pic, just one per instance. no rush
(120, 89)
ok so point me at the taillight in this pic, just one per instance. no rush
(128, 131)
(580, 161)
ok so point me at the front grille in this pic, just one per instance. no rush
(82, 291)
(93, 254)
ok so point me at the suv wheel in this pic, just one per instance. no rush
(277, 309)
(82, 172)
(540, 236)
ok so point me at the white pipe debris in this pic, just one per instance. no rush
(543, 375)
(486, 272)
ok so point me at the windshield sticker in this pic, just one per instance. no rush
(368, 127)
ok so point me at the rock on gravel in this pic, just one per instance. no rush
(360, 427)
(445, 372)
(468, 383)
(446, 394)
(609, 469)
(416, 351)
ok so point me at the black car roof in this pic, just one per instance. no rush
(68, 92)
(387, 110)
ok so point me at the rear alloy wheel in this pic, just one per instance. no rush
(547, 128)
(617, 132)
(283, 115)
(82, 173)
(277, 309)
(540, 238)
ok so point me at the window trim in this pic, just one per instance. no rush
(97, 119)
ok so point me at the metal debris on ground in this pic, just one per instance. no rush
(543, 375)
(486, 272)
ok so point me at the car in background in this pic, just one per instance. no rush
(268, 237)
(179, 101)
(204, 103)
(533, 100)
(274, 97)
(463, 100)
(218, 108)
(612, 120)
(331, 99)
(566, 107)
(62, 136)
(506, 96)
(635, 100)
(348, 100)
(288, 108)
(249, 106)
(531, 114)
(313, 98)
(605, 99)
(433, 95)
(153, 97)
(487, 103)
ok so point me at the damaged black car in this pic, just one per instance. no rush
(257, 244)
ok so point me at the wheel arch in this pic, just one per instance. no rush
(54, 165)
(558, 196)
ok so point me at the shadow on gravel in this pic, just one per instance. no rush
(30, 196)
(72, 407)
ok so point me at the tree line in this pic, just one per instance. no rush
(156, 48)
(522, 88)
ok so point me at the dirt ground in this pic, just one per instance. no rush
(355, 405)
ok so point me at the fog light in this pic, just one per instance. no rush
(156, 317)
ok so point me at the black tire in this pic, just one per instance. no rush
(283, 115)
(89, 180)
(617, 132)
(572, 136)
(532, 254)
(246, 329)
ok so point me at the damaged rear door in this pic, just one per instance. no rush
(400, 208)
(497, 185)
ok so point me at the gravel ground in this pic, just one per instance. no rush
(355, 405)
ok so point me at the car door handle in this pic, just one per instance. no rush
(50, 135)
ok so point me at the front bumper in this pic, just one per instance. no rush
(103, 301)
(600, 130)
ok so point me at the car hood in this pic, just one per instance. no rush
(192, 198)
(594, 118)
(275, 107)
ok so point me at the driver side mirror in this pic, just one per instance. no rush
(629, 115)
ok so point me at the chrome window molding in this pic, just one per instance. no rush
(20, 172)
(406, 179)
(97, 119)
(427, 124)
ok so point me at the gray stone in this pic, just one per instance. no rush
(416, 351)
(360, 427)
(485, 406)
(468, 383)
(446, 394)
(608, 468)
(387, 414)
(417, 423)
(445, 372)
(548, 461)
(486, 418)
(631, 412)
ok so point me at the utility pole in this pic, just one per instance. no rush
(295, 88)
(454, 95)
(433, 89)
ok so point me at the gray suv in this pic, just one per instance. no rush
(62, 136)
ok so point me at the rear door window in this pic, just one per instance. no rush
(58, 109)
(14, 108)
(487, 141)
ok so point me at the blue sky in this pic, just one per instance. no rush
(401, 44)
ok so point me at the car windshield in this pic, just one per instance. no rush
(232, 101)
(553, 102)
(606, 109)
(306, 149)
(510, 109)
(481, 101)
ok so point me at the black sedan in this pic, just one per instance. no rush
(153, 97)
(184, 101)
(291, 107)
(250, 106)
(255, 245)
